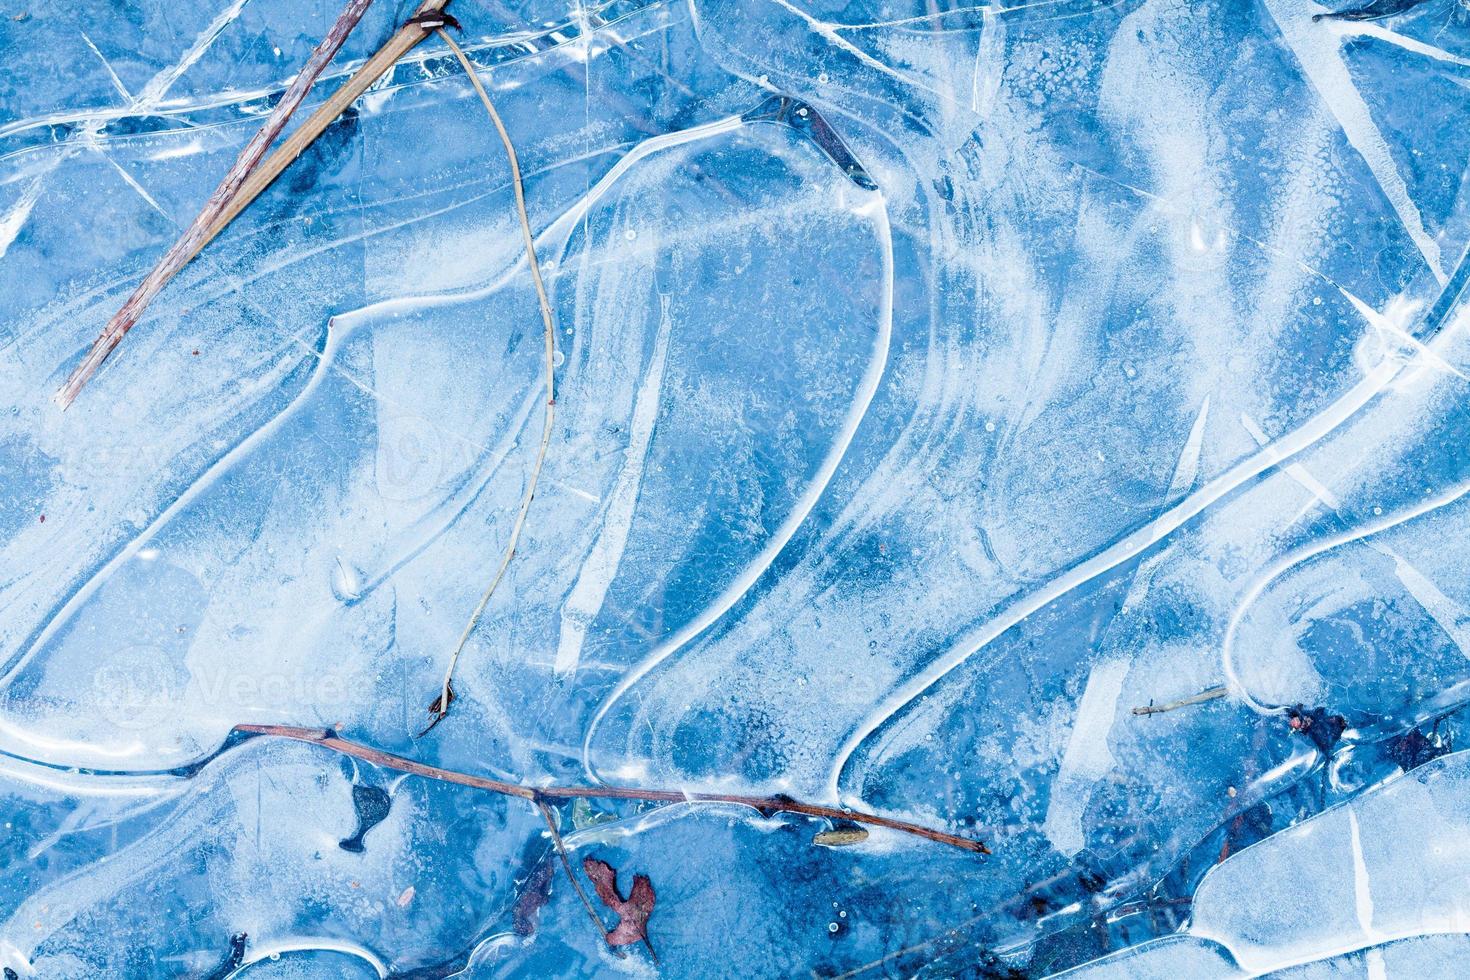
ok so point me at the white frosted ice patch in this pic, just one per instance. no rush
(1390, 864)
(601, 566)
(1422, 957)
(1087, 757)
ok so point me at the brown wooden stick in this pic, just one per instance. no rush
(566, 863)
(764, 804)
(1212, 694)
(249, 176)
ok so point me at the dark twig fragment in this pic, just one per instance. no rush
(764, 804)
(566, 863)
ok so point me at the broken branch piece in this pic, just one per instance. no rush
(1212, 694)
(536, 795)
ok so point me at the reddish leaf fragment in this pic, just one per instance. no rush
(633, 911)
(527, 914)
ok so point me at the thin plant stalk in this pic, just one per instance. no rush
(440, 707)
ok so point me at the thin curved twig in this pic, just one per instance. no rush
(440, 707)
(536, 795)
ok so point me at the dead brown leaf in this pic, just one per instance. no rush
(632, 912)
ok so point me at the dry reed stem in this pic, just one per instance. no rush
(440, 706)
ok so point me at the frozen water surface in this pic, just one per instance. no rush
(936, 384)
